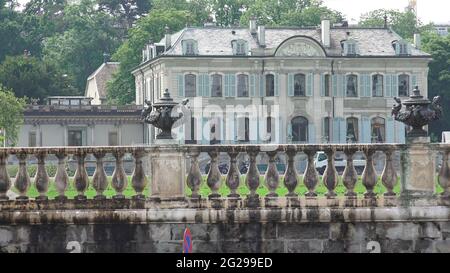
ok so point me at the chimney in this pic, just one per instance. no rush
(262, 36)
(168, 37)
(326, 32)
(253, 27)
(417, 40)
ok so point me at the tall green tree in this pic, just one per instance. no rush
(403, 23)
(11, 115)
(28, 76)
(152, 27)
(78, 51)
(289, 12)
(126, 11)
(228, 12)
(439, 77)
(12, 42)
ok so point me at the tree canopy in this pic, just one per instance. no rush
(11, 115)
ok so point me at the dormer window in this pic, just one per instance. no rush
(189, 47)
(401, 48)
(240, 47)
(349, 48)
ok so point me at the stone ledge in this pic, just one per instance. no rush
(207, 216)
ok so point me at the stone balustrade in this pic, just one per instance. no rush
(169, 169)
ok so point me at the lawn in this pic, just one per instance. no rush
(205, 191)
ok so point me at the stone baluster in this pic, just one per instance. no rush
(41, 179)
(310, 177)
(119, 180)
(389, 176)
(272, 177)
(252, 178)
(290, 176)
(214, 177)
(81, 179)
(444, 175)
(99, 181)
(5, 181)
(139, 180)
(61, 177)
(233, 176)
(369, 176)
(194, 178)
(330, 176)
(350, 176)
(22, 182)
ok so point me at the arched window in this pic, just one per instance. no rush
(403, 85)
(190, 85)
(352, 130)
(378, 130)
(352, 86)
(299, 85)
(216, 87)
(242, 85)
(270, 85)
(299, 129)
(377, 85)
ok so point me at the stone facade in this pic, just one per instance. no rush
(292, 68)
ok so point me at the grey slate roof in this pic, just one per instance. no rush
(217, 41)
(102, 75)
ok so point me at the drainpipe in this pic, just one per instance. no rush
(330, 126)
(143, 103)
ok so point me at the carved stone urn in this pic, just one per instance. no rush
(418, 113)
(160, 114)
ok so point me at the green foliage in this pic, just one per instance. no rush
(439, 76)
(404, 23)
(78, 51)
(28, 76)
(289, 12)
(122, 89)
(125, 11)
(11, 115)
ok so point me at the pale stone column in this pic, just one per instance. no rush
(168, 172)
(418, 172)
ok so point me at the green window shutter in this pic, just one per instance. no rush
(334, 85)
(394, 85)
(401, 134)
(184, 47)
(205, 131)
(322, 85)
(252, 85)
(234, 47)
(390, 130)
(342, 131)
(342, 86)
(262, 88)
(199, 86)
(232, 85)
(253, 134)
(227, 85)
(361, 89)
(210, 82)
(367, 86)
(277, 85)
(366, 135)
(180, 85)
(388, 85)
(310, 84)
(335, 138)
(290, 85)
(311, 133)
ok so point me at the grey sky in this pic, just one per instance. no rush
(436, 11)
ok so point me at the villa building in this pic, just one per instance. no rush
(332, 84)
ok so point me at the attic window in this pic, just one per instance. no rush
(240, 47)
(189, 47)
(349, 48)
(401, 48)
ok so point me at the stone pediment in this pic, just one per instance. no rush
(300, 47)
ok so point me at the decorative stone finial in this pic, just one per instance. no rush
(418, 112)
(159, 114)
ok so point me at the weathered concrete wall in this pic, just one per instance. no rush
(224, 237)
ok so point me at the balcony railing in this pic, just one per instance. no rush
(405, 174)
